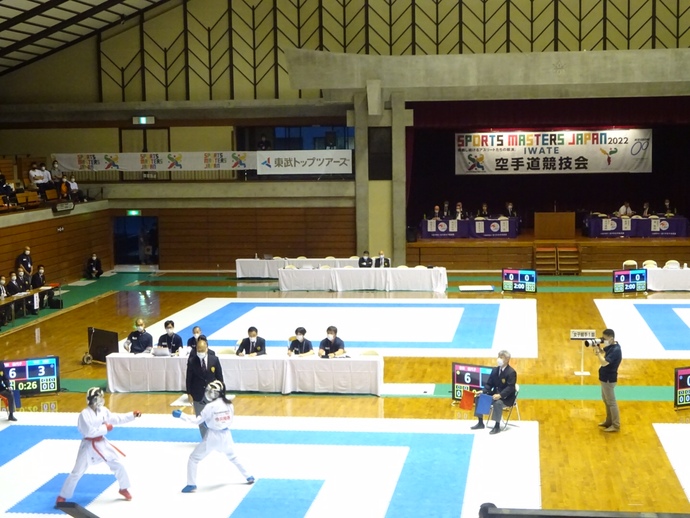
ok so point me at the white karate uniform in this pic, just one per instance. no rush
(95, 448)
(218, 417)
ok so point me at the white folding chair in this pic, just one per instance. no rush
(630, 263)
(672, 264)
(649, 263)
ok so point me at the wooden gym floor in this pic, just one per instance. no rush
(581, 467)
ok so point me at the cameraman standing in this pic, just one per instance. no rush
(610, 358)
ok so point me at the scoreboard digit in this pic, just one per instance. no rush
(681, 397)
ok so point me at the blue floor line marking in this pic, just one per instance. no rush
(278, 497)
(667, 326)
(42, 500)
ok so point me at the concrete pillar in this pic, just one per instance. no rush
(361, 171)
(399, 227)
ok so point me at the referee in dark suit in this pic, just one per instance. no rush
(202, 369)
(501, 387)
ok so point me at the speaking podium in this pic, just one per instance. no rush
(554, 225)
(101, 344)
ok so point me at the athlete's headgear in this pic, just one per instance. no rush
(95, 397)
(214, 390)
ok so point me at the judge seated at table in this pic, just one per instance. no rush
(625, 210)
(460, 213)
(382, 261)
(365, 261)
(253, 345)
(445, 212)
(646, 210)
(331, 346)
(484, 211)
(668, 209)
(300, 346)
(139, 340)
(436, 214)
(510, 210)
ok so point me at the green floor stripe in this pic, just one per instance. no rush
(580, 392)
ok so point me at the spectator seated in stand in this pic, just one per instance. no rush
(56, 173)
(93, 267)
(64, 190)
(75, 193)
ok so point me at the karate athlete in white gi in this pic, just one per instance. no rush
(95, 421)
(217, 414)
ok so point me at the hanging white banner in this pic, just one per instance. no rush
(554, 152)
(338, 161)
(165, 161)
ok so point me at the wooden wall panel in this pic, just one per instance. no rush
(212, 239)
(63, 252)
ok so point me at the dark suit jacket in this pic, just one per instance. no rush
(197, 378)
(483, 213)
(12, 288)
(503, 384)
(365, 262)
(462, 215)
(259, 348)
(386, 262)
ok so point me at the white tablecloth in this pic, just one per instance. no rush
(145, 373)
(349, 279)
(268, 268)
(659, 279)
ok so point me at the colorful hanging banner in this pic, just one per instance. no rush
(166, 161)
(554, 152)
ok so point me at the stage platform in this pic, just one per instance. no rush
(494, 254)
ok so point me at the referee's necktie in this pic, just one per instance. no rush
(203, 364)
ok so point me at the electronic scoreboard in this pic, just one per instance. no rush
(469, 377)
(34, 376)
(520, 280)
(630, 281)
(681, 394)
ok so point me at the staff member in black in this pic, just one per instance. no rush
(300, 346)
(501, 387)
(202, 369)
(365, 261)
(610, 358)
(253, 345)
(170, 339)
(331, 346)
(7, 392)
(139, 340)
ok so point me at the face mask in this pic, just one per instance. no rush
(13, 278)
(41, 271)
(71, 179)
(510, 207)
(381, 256)
(366, 256)
(499, 362)
(21, 274)
(27, 252)
(331, 337)
(197, 335)
(202, 356)
(140, 329)
(43, 168)
(171, 332)
(93, 257)
(2, 282)
(300, 338)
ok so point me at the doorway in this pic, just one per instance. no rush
(136, 240)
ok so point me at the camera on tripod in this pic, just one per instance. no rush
(594, 342)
